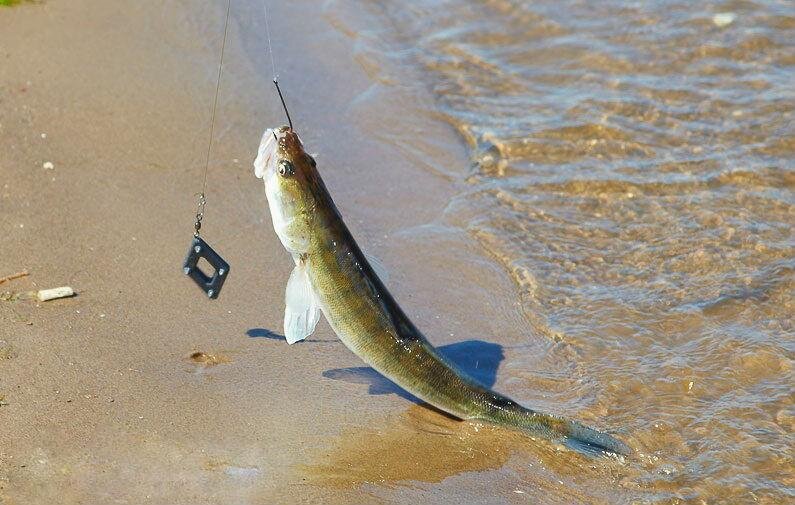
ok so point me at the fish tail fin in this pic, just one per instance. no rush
(589, 439)
(571, 433)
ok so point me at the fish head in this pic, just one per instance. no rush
(288, 172)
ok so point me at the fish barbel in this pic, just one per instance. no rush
(333, 276)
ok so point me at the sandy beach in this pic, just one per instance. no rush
(102, 401)
(572, 239)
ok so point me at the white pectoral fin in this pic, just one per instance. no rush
(301, 311)
(377, 266)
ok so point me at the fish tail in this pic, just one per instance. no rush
(571, 433)
(589, 439)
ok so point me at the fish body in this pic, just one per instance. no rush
(333, 276)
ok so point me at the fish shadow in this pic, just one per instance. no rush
(264, 333)
(475, 358)
(272, 335)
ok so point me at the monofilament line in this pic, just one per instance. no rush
(273, 67)
(270, 47)
(215, 100)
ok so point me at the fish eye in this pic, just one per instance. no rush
(286, 168)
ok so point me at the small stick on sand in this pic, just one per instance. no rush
(11, 277)
(51, 294)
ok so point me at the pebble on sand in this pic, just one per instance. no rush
(47, 165)
(724, 19)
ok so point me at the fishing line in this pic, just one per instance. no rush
(202, 198)
(270, 47)
(273, 67)
(199, 249)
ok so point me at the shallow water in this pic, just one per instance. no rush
(632, 172)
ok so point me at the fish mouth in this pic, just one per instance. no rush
(266, 154)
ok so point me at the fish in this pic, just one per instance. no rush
(334, 277)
